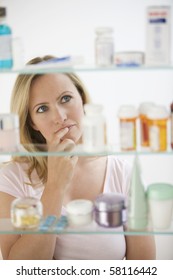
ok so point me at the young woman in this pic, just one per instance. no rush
(50, 109)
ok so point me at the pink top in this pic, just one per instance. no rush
(13, 180)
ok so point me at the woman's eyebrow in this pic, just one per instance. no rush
(39, 104)
(66, 91)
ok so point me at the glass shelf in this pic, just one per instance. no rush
(57, 68)
(6, 227)
(27, 150)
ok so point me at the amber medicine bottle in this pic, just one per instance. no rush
(158, 117)
(144, 127)
(127, 120)
(172, 125)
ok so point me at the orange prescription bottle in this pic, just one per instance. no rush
(172, 125)
(127, 117)
(158, 117)
(144, 128)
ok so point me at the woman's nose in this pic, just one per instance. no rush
(59, 115)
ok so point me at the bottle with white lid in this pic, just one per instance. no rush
(104, 46)
(127, 116)
(144, 128)
(158, 117)
(6, 60)
(9, 132)
(94, 128)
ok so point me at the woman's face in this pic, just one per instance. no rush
(55, 103)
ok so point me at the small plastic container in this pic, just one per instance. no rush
(129, 59)
(157, 119)
(94, 128)
(144, 126)
(104, 46)
(79, 212)
(160, 199)
(9, 132)
(26, 213)
(127, 117)
(109, 210)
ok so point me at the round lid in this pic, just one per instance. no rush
(79, 207)
(91, 109)
(145, 106)
(157, 112)
(9, 121)
(109, 202)
(26, 202)
(160, 191)
(104, 30)
(127, 111)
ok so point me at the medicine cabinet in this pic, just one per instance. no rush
(112, 81)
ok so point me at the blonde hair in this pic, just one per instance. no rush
(28, 136)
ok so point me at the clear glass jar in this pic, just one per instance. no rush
(26, 213)
(104, 46)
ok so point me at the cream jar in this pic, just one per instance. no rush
(79, 212)
(26, 213)
(109, 210)
(160, 200)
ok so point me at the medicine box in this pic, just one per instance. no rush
(158, 35)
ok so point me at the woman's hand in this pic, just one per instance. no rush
(61, 169)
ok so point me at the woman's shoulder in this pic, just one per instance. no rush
(12, 176)
(14, 180)
(12, 167)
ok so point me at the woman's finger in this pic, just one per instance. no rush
(67, 145)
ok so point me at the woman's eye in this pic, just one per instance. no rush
(42, 109)
(66, 98)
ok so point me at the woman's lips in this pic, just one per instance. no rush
(68, 126)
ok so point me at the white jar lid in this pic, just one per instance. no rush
(9, 121)
(27, 203)
(79, 207)
(145, 107)
(104, 30)
(157, 112)
(127, 111)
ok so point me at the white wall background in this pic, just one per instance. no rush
(66, 27)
